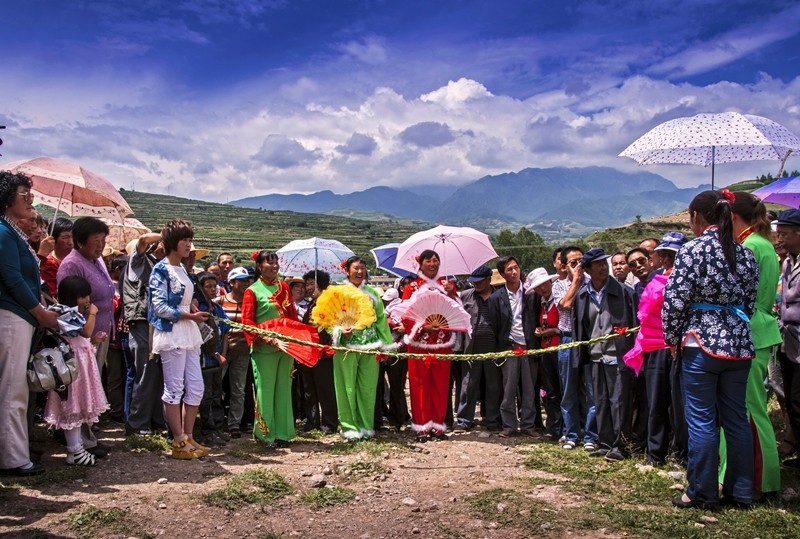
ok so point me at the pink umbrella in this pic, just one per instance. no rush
(460, 249)
(120, 234)
(72, 189)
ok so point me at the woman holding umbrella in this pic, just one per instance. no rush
(270, 297)
(429, 378)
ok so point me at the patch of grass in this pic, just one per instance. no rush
(92, 521)
(363, 468)
(327, 497)
(509, 507)
(636, 502)
(259, 486)
(315, 434)
(145, 444)
(448, 531)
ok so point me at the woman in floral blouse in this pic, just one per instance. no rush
(707, 304)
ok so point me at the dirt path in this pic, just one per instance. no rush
(399, 489)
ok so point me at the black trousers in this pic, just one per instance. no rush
(657, 377)
(791, 389)
(476, 375)
(612, 401)
(394, 408)
(212, 413)
(318, 393)
(551, 382)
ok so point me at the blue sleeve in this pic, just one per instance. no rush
(158, 298)
(10, 273)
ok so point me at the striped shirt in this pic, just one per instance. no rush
(234, 312)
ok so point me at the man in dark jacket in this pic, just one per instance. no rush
(476, 303)
(602, 307)
(513, 316)
(147, 384)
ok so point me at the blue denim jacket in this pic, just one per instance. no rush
(164, 296)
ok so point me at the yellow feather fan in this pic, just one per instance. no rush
(343, 306)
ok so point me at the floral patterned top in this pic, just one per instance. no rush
(702, 275)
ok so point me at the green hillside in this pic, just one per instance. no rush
(220, 227)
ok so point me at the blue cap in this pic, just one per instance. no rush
(593, 255)
(789, 217)
(481, 272)
(672, 241)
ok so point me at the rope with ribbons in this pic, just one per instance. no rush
(385, 354)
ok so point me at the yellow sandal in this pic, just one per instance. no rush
(184, 450)
(203, 450)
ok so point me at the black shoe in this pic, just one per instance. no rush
(97, 451)
(437, 435)
(683, 504)
(726, 501)
(602, 452)
(235, 433)
(117, 418)
(422, 438)
(36, 469)
(791, 463)
(328, 430)
(281, 443)
(615, 455)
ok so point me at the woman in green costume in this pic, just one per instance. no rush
(752, 229)
(355, 372)
(270, 297)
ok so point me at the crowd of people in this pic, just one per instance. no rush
(718, 321)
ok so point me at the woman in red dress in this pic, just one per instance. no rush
(429, 378)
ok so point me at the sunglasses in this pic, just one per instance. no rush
(635, 262)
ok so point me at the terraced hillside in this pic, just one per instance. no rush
(220, 227)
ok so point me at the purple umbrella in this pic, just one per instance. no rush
(785, 191)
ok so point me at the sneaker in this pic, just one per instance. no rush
(82, 457)
(569, 444)
(562, 440)
(590, 446)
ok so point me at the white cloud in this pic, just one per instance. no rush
(243, 144)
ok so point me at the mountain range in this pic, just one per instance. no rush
(575, 201)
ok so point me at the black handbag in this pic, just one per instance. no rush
(52, 364)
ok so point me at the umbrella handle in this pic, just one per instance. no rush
(61, 196)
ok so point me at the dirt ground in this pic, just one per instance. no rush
(401, 489)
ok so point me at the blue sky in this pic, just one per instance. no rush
(220, 99)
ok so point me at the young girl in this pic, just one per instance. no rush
(212, 360)
(85, 397)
